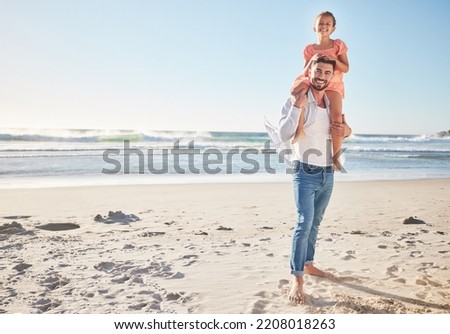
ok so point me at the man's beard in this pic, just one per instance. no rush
(319, 88)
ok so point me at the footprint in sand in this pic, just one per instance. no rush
(22, 267)
(171, 296)
(181, 297)
(265, 294)
(282, 283)
(87, 294)
(122, 279)
(416, 254)
(400, 280)
(105, 266)
(177, 275)
(393, 271)
(426, 265)
(258, 306)
(54, 281)
(420, 282)
(349, 255)
(44, 305)
(318, 301)
(189, 259)
(137, 307)
(427, 281)
(421, 295)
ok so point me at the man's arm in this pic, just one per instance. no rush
(288, 121)
(290, 115)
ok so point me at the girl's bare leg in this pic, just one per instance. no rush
(336, 117)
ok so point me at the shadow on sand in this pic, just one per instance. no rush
(413, 301)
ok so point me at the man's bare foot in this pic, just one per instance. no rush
(296, 295)
(311, 270)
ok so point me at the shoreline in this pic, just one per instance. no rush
(182, 249)
(132, 180)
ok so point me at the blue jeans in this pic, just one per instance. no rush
(313, 186)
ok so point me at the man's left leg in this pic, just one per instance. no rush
(322, 199)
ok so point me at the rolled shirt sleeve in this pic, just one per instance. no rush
(288, 124)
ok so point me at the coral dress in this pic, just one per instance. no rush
(337, 82)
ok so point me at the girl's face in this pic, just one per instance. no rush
(324, 25)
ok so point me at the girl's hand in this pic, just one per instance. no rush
(316, 56)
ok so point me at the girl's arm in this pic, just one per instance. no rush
(342, 63)
(308, 63)
(306, 67)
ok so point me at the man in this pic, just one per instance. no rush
(313, 168)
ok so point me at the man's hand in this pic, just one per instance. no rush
(300, 100)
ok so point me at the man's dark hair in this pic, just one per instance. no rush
(325, 60)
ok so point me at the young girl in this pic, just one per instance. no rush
(324, 26)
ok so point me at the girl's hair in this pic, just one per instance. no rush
(326, 13)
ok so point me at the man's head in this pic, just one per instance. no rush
(321, 72)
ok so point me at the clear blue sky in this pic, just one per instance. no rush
(216, 64)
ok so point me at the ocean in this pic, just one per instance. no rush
(47, 158)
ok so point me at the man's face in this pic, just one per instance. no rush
(320, 75)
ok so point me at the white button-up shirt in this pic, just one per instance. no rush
(315, 147)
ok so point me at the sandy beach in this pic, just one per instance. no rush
(222, 248)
